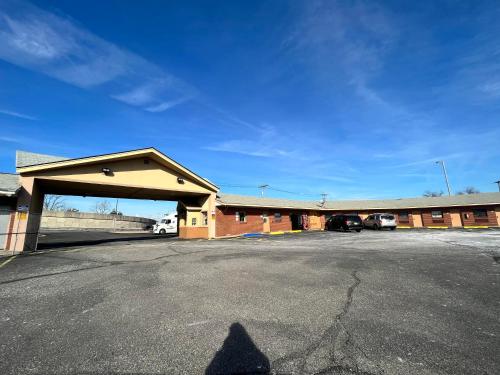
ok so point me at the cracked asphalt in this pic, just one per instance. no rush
(404, 302)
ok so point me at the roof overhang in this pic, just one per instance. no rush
(151, 152)
(4, 193)
(365, 208)
(219, 203)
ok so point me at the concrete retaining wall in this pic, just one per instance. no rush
(84, 220)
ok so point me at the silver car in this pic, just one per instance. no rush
(379, 221)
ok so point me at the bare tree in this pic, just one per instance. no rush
(469, 190)
(54, 203)
(102, 207)
(433, 193)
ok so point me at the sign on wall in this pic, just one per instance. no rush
(23, 208)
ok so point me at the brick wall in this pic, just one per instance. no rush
(468, 218)
(226, 223)
(408, 222)
(428, 221)
(193, 232)
(284, 224)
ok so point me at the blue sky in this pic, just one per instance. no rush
(355, 99)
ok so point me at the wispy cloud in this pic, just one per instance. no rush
(60, 48)
(265, 143)
(17, 114)
(168, 104)
(348, 40)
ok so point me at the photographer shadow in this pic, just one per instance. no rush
(238, 355)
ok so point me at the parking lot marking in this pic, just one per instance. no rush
(8, 261)
(198, 323)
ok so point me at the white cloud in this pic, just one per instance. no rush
(167, 105)
(344, 40)
(60, 48)
(265, 144)
(17, 114)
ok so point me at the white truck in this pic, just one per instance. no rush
(167, 225)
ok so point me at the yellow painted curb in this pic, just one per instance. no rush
(402, 227)
(295, 231)
(436, 227)
(475, 227)
(276, 233)
(8, 261)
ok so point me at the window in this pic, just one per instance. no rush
(193, 221)
(352, 217)
(480, 214)
(204, 218)
(241, 217)
(437, 214)
(163, 221)
(168, 221)
(404, 216)
(277, 217)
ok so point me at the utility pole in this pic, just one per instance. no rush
(323, 198)
(498, 183)
(114, 217)
(445, 175)
(263, 189)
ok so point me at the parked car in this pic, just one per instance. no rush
(344, 222)
(380, 221)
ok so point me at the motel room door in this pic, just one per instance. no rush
(417, 220)
(266, 226)
(456, 218)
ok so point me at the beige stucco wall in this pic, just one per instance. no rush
(133, 172)
(84, 220)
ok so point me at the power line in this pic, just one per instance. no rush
(294, 192)
(265, 187)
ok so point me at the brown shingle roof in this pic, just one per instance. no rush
(358, 205)
(9, 183)
(26, 159)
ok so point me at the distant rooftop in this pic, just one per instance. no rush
(9, 184)
(26, 159)
(358, 205)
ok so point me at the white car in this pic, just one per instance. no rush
(380, 221)
(166, 225)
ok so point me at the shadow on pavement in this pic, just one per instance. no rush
(58, 241)
(238, 355)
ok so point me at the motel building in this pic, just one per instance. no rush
(203, 211)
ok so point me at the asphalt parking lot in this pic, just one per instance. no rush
(404, 302)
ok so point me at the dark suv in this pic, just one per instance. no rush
(344, 222)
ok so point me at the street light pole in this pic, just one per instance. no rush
(498, 183)
(445, 175)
